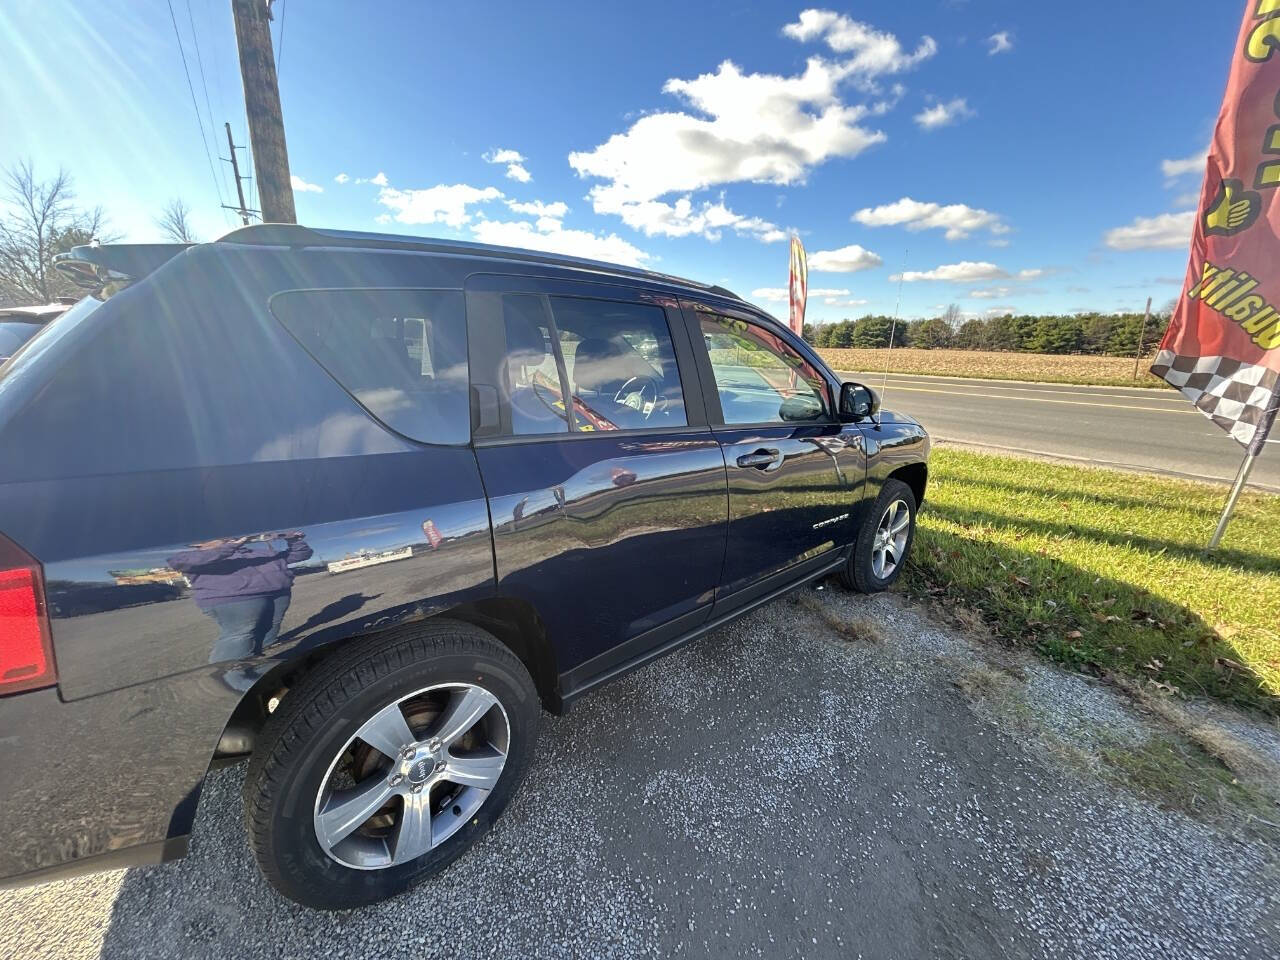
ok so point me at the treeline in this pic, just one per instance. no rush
(1104, 334)
(41, 218)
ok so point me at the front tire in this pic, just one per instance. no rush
(387, 763)
(884, 540)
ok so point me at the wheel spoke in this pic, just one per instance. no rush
(386, 731)
(347, 809)
(464, 710)
(902, 523)
(413, 838)
(877, 561)
(475, 771)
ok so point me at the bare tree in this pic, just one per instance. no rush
(175, 222)
(39, 220)
(953, 316)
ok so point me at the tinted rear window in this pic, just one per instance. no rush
(401, 353)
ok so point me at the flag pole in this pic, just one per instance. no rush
(1242, 477)
(1146, 318)
(1246, 467)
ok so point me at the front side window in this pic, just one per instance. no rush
(614, 361)
(759, 377)
(401, 353)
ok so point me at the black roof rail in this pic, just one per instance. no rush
(293, 235)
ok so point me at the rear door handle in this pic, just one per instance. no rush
(761, 459)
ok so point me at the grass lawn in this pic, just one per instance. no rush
(1103, 570)
(1038, 367)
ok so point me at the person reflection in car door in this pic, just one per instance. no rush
(245, 585)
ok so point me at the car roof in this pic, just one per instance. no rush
(94, 266)
(283, 234)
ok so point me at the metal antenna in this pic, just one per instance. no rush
(893, 327)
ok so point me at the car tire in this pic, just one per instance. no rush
(868, 569)
(314, 772)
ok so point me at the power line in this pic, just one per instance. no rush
(284, 12)
(217, 186)
(195, 40)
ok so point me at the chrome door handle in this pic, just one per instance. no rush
(761, 459)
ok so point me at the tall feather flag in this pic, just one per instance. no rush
(1222, 349)
(799, 285)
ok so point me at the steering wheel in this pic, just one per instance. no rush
(643, 394)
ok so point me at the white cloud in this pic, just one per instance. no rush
(683, 218)
(944, 114)
(1188, 199)
(1031, 274)
(843, 302)
(536, 208)
(874, 52)
(957, 219)
(993, 293)
(514, 161)
(848, 259)
(1000, 43)
(440, 204)
(378, 180)
(738, 126)
(341, 178)
(1000, 311)
(966, 271)
(500, 155)
(549, 234)
(1166, 231)
(302, 186)
(1172, 169)
(757, 127)
(782, 295)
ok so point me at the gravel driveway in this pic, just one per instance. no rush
(774, 790)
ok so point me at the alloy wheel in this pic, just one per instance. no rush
(411, 776)
(890, 543)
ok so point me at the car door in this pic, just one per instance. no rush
(796, 473)
(606, 486)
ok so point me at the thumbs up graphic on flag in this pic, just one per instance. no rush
(1232, 210)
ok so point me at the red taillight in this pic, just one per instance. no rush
(26, 654)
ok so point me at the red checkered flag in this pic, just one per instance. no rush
(1222, 349)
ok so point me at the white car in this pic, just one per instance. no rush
(20, 324)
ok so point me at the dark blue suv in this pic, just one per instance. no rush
(356, 507)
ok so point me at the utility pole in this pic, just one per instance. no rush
(1142, 335)
(262, 106)
(235, 168)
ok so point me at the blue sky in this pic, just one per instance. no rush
(999, 154)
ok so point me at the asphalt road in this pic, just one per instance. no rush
(774, 790)
(1152, 430)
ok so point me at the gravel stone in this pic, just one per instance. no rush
(773, 790)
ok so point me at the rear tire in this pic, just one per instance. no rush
(317, 753)
(884, 540)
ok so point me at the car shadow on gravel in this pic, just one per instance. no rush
(777, 790)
